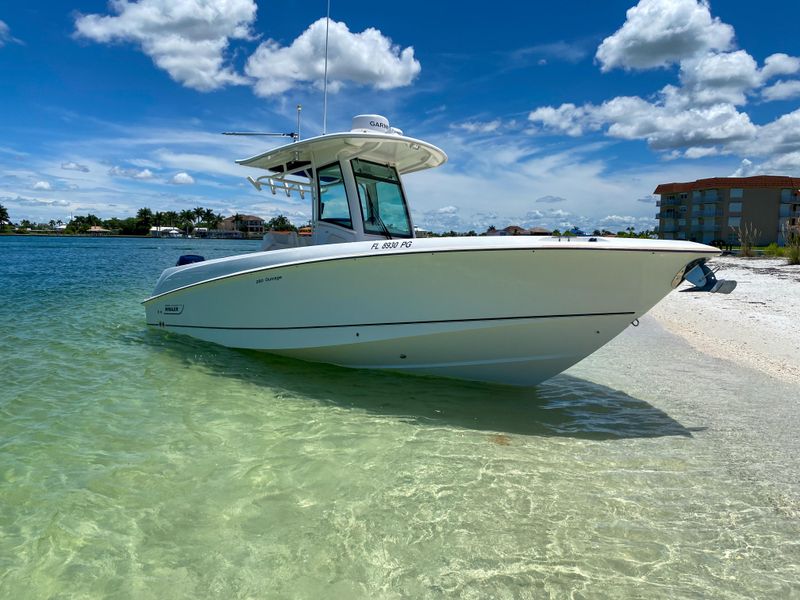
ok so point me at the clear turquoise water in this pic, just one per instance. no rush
(135, 464)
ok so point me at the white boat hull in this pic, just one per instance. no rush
(509, 311)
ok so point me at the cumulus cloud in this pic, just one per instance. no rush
(366, 58)
(186, 38)
(130, 173)
(551, 199)
(182, 178)
(73, 166)
(42, 185)
(780, 64)
(658, 33)
(702, 116)
(723, 77)
(664, 125)
(781, 90)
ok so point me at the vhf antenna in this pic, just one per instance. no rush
(325, 84)
(295, 135)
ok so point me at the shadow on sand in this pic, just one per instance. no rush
(562, 406)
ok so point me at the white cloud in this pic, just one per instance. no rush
(723, 77)
(665, 124)
(73, 166)
(130, 173)
(42, 185)
(780, 64)
(5, 35)
(658, 33)
(479, 126)
(182, 178)
(781, 90)
(186, 38)
(745, 169)
(701, 117)
(366, 58)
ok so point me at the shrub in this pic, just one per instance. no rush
(773, 250)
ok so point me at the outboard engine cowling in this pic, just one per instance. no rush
(188, 259)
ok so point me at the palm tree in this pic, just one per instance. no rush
(187, 220)
(171, 217)
(199, 211)
(208, 216)
(4, 216)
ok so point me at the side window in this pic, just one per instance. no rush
(333, 206)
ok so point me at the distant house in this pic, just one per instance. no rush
(249, 225)
(517, 230)
(97, 231)
(539, 231)
(165, 232)
(421, 233)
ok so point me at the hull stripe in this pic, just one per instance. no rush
(430, 322)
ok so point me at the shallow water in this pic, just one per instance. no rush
(138, 464)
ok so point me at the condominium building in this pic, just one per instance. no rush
(711, 210)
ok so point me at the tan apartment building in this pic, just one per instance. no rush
(249, 225)
(709, 210)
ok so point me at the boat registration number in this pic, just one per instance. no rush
(390, 245)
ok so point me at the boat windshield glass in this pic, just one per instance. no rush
(333, 206)
(383, 206)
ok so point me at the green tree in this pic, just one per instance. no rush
(280, 223)
(186, 219)
(4, 218)
(171, 218)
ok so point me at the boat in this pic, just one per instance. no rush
(362, 291)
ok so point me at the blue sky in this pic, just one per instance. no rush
(552, 114)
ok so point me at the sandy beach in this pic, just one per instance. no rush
(755, 326)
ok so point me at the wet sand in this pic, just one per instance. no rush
(756, 326)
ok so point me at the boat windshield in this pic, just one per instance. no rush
(333, 206)
(383, 206)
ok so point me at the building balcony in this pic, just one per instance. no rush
(711, 213)
(667, 229)
(786, 211)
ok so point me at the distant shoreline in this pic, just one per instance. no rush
(119, 236)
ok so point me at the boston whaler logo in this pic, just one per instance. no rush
(173, 309)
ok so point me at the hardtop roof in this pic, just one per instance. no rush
(406, 154)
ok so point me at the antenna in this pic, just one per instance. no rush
(299, 108)
(295, 136)
(325, 84)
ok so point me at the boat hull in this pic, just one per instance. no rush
(507, 313)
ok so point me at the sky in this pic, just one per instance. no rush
(552, 114)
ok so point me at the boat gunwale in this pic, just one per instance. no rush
(407, 251)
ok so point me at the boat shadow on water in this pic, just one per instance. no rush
(562, 406)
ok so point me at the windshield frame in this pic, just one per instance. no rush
(364, 204)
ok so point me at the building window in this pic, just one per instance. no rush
(734, 221)
(786, 195)
(735, 207)
(710, 194)
(684, 209)
(684, 196)
(697, 194)
(736, 192)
